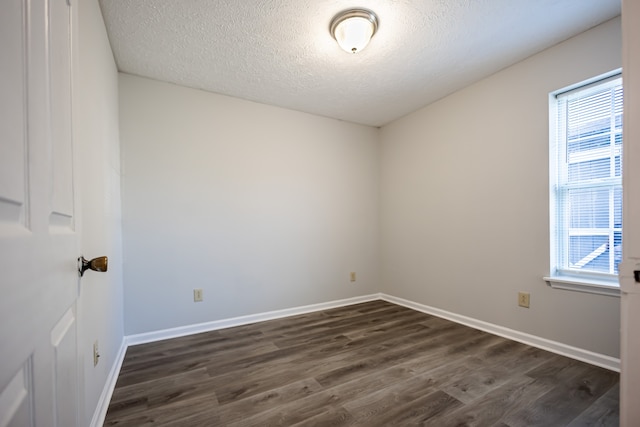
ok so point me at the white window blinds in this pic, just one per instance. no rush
(588, 179)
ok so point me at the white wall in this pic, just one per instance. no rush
(465, 200)
(261, 207)
(100, 305)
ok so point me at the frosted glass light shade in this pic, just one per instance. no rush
(353, 29)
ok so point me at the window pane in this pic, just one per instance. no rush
(617, 208)
(619, 122)
(618, 158)
(587, 176)
(592, 169)
(590, 114)
(617, 249)
(589, 253)
(589, 208)
(585, 144)
(618, 99)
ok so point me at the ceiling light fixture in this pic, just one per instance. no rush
(354, 28)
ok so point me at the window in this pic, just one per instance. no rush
(586, 181)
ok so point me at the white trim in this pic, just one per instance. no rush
(105, 397)
(587, 356)
(242, 320)
(590, 286)
(593, 81)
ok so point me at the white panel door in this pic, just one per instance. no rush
(630, 298)
(38, 242)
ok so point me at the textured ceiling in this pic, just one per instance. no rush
(280, 52)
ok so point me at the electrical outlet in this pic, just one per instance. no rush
(96, 353)
(523, 299)
(197, 295)
(352, 276)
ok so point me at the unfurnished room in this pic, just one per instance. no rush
(314, 213)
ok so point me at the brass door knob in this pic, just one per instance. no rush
(100, 263)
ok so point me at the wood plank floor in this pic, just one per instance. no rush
(370, 364)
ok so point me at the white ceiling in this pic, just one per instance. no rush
(280, 52)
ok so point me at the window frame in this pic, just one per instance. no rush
(559, 277)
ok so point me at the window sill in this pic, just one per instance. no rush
(580, 284)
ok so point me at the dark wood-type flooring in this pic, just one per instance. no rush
(370, 364)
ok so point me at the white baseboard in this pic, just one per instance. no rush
(242, 320)
(587, 356)
(105, 397)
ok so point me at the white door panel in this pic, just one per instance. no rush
(16, 398)
(38, 243)
(63, 341)
(62, 154)
(13, 123)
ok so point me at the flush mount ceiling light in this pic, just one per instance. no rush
(353, 29)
